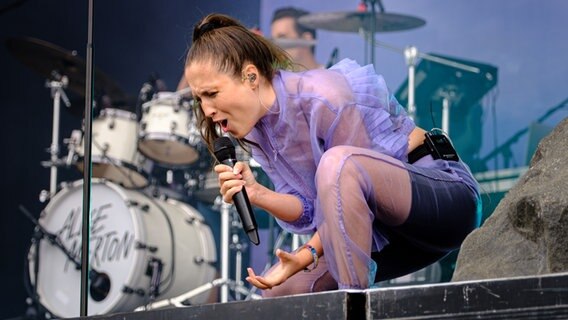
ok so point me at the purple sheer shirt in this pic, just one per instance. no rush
(316, 110)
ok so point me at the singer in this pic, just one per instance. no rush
(346, 161)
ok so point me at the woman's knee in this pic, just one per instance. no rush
(332, 165)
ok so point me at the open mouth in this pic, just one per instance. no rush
(224, 125)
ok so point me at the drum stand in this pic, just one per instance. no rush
(58, 94)
(224, 281)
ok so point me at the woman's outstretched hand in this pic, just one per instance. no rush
(288, 265)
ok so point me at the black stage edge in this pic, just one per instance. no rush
(326, 305)
(540, 297)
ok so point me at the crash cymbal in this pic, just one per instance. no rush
(50, 61)
(286, 43)
(355, 21)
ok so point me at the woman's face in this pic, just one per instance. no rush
(230, 102)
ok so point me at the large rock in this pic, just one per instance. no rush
(527, 234)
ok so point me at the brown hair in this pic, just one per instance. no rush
(229, 46)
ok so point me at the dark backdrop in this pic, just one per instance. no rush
(132, 39)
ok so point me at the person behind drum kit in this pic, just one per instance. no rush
(346, 160)
(297, 40)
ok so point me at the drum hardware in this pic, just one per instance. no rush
(133, 203)
(57, 87)
(72, 143)
(238, 246)
(155, 272)
(224, 281)
(166, 183)
(143, 246)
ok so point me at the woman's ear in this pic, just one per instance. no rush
(250, 75)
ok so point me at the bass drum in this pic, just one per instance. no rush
(132, 234)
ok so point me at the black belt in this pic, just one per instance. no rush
(437, 145)
(419, 152)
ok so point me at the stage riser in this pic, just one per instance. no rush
(542, 297)
(499, 297)
(330, 305)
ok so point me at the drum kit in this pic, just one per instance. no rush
(146, 240)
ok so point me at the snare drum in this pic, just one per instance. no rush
(168, 133)
(114, 150)
(130, 232)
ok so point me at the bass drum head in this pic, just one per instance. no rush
(129, 230)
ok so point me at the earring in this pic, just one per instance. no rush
(251, 77)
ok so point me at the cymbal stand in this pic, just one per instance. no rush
(368, 32)
(224, 281)
(57, 87)
(238, 246)
(411, 54)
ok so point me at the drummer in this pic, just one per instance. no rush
(285, 26)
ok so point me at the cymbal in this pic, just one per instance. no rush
(355, 21)
(49, 60)
(286, 43)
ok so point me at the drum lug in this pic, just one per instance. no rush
(44, 195)
(104, 148)
(132, 203)
(129, 290)
(140, 245)
(173, 127)
(199, 260)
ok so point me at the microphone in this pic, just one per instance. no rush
(332, 58)
(225, 153)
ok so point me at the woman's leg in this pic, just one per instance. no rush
(355, 187)
(361, 193)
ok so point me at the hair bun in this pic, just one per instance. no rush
(212, 22)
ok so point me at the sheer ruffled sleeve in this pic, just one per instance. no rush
(370, 117)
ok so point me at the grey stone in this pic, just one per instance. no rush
(527, 234)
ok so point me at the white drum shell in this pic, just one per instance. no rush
(121, 220)
(167, 133)
(114, 152)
